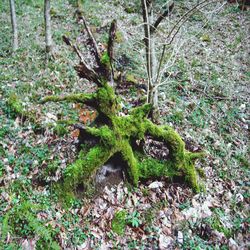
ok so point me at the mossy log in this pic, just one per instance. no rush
(117, 133)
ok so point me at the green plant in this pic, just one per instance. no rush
(21, 221)
(184, 205)
(79, 236)
(196, 243)
(176, 117)
(215, 221)
(134, 219)
(119, 222)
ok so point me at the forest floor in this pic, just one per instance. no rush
(206, 99)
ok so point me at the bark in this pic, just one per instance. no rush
(14, 25)
(147, 40)
(47, 19)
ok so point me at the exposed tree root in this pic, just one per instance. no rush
(119, 135)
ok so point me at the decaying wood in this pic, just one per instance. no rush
(112, 36)
(93, 42)
(83, 69)
(117, 134)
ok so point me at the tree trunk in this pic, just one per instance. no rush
(147, 41)
(148, 19)
(14, 25)
(48, 36)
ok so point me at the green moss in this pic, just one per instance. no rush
(116, 136)
(128, 156)
(172, 139)
(15, 104)
(201, 172)
(131, 79)
(141, 111)
(190, 175)
(179, 160)
(105, 59)
(190, 172)
(21, 221)
(119, 37)
(85, 166)
(153, 168)
(105, 134)
(17, 109)
(119, 222)
(107, 100)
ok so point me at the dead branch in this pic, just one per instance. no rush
(83, 70)
(93, 42)
(166, 13)
(86, 73)
(112, 35)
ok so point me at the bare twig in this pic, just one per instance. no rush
(166, 13)
(163, 50)
(220, 98)
(97, 53)
(161, 60)
(185, 17)
(74, 47)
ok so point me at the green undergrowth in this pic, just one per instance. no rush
(17, 108)
(22, 220)
(122, 219)
(118, 224)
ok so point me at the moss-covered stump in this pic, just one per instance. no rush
(117, 133)
(118, 136)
